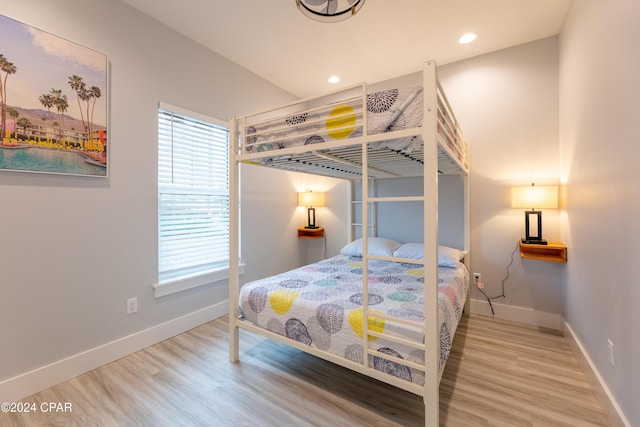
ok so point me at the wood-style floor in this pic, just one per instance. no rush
(499, 374)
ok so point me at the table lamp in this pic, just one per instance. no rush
(534, 197)
(311, 200)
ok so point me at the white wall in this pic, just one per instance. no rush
(411, 227)
(507, 105)
(600, 146)
(270, 218)
(73, 248)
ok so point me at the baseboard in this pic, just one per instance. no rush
(599, 387)
(518, 314)
(28, 383)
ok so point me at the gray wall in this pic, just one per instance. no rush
(507, 105)
(74, 249)
(404, 221)
(270, 218)
(600, 135)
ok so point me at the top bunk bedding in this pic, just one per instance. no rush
(323, 135)
(388, 110)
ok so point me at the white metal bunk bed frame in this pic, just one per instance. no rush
(435, 150)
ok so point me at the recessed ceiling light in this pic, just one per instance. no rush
(467, 38)
(334, 79)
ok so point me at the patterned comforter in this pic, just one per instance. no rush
(387, 110)
(321, 305)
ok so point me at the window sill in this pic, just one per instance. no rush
(193, 281)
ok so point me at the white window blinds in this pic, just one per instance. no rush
(193, 195)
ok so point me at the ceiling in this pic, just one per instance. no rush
(387, 38)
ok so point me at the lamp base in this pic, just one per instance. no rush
(311, 226)
(534, 242)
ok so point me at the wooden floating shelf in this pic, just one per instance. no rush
(552, 251)
(311, 233)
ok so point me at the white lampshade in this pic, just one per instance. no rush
(311, 199)
(535, 197)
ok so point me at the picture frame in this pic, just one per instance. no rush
(53, 103)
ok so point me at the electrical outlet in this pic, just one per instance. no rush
(611, 360)
(132, 305)
(477, 278)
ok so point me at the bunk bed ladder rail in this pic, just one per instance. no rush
(373, 321)
(369, 228)
(234, 241)
(429, 199)
(366, 226)
(430, 195)
(376, 319)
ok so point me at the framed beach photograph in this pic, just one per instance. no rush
(53, 102)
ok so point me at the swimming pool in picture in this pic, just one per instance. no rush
(46, 160)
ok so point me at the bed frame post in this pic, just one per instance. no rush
(432, 334)
(365, 249)
(467, 237)
(234, 242)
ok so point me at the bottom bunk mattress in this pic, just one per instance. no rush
(321, 305)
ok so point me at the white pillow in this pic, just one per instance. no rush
(447, 256)
(410, 250)
(377, 246)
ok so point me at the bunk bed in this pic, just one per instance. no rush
(361, 136)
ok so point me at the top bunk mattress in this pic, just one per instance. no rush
(387, 111)
(317, 135)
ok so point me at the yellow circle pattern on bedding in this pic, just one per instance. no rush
(282, 300)
(341, 122)
(375, 324)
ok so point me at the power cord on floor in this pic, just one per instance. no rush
(502, 295)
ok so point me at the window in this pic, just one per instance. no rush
(193, 200)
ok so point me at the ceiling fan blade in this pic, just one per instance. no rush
(329, 10)
(332, 6)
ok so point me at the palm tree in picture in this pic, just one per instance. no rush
(56, 127)
(94, 93)
(54, 95)
(79, 87)
(62, 105)
(14, 114)
(8, 69)
(47, 102)
(25, 124)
